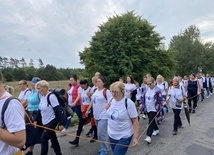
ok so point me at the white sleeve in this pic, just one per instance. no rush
(108, 94)
(80, 90)
(14, 116)
(27, 94)
(131, 108)
(53, 100)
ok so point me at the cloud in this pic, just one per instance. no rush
(56, 31)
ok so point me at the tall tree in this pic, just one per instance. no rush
(31, 64)
(41, 64)
(23, 62)
(126, 44)
(189, 52)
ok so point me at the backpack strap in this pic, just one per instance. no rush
(48, 99)
(26, 91)
(164, 85)
(4, 108)
(126, 103)
(104, 93)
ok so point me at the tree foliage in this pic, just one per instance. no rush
(126, 45)
(190, 53)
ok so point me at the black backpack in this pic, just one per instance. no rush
(60, 95)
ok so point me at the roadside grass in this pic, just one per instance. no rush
(53, 84)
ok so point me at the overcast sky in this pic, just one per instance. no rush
(56, 30)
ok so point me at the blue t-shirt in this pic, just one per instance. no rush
(33, 101)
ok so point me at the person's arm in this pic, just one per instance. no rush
(199, 87)
(136, 130)
(76, 100)
(16, 139)
(89, 108)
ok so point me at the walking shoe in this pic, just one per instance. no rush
(93, 139)
(155, 132)
(64, 131)
(144, 116)
(193, 111)
(159, 122)
(148, 139)
(190, 110)
(74, 142)
(90, 133)
(180, 126)
(174, 132)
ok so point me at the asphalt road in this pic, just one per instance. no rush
(198, 139)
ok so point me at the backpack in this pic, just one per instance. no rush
(126, 104)
(60, 95)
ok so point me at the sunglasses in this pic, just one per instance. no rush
(114, 92)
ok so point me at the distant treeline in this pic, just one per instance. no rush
(49, 73)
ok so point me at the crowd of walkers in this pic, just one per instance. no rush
(112, 113)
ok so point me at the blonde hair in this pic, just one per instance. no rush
(118, 86)
(150, 79)
(160, 77)
(9, 89)
(42, 83)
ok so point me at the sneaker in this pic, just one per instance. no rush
(148, 139)
(180, 126)
(89, 134)
(159, 122)
(74, 142)
(144, 116)
(64, 130)
(156, 132)
(102, 152)
(174, 132)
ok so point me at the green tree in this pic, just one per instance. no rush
(190, 53)
(19, 74)
(48, 73)
(126, 45)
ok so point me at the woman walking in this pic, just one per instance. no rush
(193, 90)
(153, 101)
(123, 125)
(98, 100)
(49, 115)
(176, 98)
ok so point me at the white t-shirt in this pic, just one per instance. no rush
(47, 111)
(119, 119)
(70, 95)
(129, 87)
(149, 99)
(163, 86)
(24, 94)
(139, 92)
(14, 121)
(99, 102)
(176, 93)
(200, 80)
(84, 97)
